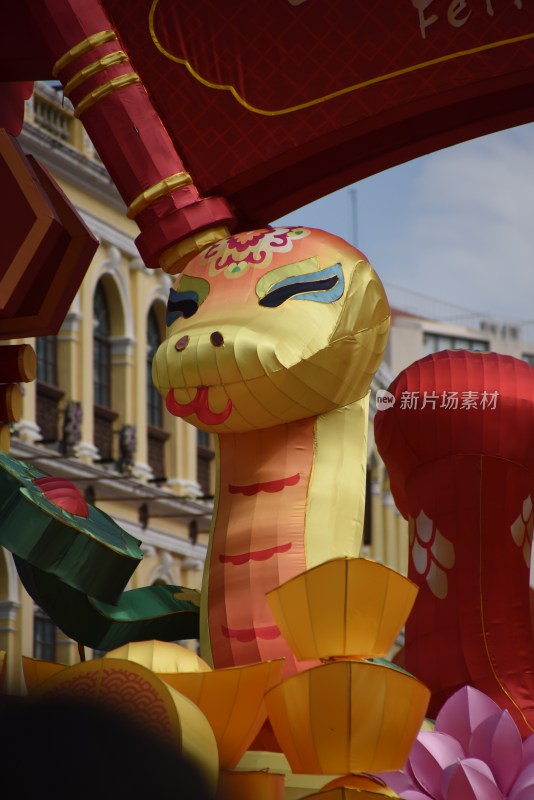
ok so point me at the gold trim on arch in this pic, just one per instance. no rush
(340, 92)
(117, 57)
(177, 256)
(104, 90)
(82, 48)
(164, 187)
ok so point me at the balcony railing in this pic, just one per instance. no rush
(52, 118)
(49, 110)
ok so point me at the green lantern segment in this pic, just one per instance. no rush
(75, 561)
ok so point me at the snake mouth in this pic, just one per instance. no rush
(199, 405)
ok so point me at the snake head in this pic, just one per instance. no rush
(269, 327)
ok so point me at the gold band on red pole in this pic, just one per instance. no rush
(119, 117)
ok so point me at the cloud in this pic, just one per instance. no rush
(457, 225)
(469, 232)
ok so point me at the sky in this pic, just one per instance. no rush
(457, 225)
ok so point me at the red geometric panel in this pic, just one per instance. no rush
(46, 247)
(276, 105)
(12, 97)
(31, 230)
(273, 104)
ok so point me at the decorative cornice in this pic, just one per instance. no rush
(109, 234)
(164, 541)
(70, 325)
(122, 346)
(86, 450)
(142, 471)
(69, 164)
(387, 500)
(190, 488)
(114, 258)
(8, 611)
(138, 265)
(27, 430)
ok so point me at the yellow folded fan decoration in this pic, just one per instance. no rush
(348, 607)
(347, 716)
(231, 699)
(137, 692)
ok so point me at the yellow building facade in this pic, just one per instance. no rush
(92, 415)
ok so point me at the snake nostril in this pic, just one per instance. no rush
(217, 339)
(182, 343)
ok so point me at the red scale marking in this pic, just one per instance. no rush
(246, 635)
(255, 555)
(266, 486)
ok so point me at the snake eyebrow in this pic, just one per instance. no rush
(185, 297)
(181, 304)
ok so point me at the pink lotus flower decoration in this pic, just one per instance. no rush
(474, 753)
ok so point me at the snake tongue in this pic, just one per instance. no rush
(199, 405)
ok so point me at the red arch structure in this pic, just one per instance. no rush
(220, 114)
(273, 104)
(230, 113)
(277, 103)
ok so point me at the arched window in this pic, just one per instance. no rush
(48, 393)
(103, 414)
(46, 350)
(205, 455)
(101, 349)
(156, 436)
(154, 403)
(44, 636)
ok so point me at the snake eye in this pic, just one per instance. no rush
(323, 286)
(181, 304)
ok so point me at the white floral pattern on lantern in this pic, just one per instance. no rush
(432, 554)
(233, 256)
(522, 527)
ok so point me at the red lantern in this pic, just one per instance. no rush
(458, 445)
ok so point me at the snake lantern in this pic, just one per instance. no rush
(273, 339)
